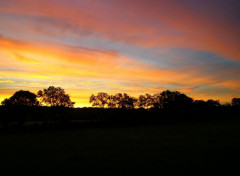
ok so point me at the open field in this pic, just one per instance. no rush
(195, 148)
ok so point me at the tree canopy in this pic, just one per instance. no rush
(21, 98)
(175, 99)
(101, 99)
(118, 100)
(164, 100)
(55, 96)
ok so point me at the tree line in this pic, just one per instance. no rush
(165, 100)
(57, 97)
(53, 105)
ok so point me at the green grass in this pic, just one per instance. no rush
(147, 149)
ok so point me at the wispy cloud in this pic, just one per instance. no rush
(7, 81)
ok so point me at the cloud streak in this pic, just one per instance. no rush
(210, 26)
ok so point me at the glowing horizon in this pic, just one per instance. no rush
(135, 47)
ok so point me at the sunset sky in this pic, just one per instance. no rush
(132, 46)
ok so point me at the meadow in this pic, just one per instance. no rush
(156, 148)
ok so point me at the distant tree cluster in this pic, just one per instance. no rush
(52, 96)
(113, 101)
(164, 100)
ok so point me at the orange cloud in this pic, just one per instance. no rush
(64, 65)
(152, 23)
(60, 60)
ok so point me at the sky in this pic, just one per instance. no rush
(131, 46)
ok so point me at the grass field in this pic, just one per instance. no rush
(160, 149)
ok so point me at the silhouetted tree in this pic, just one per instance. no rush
(158, 101)
(55, 96)
(236, 102)
(200, 102)
(16, 107)
(175, 99)
(142, 101)
(128, 101)
(100, 100)
(146, 101)
(125, 101)
(183, 100)
(21, 98)
(111, 101)
(213, 103)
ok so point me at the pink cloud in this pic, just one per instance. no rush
(146, 23)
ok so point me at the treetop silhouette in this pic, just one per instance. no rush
(118, 100)
(21, 98)
(55, 96)
(164, 100)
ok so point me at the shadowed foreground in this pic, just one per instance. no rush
(212, 147)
